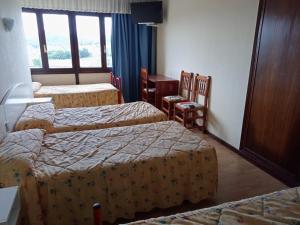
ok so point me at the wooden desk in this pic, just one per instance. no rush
(164, 86)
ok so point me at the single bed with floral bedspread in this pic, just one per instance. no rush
(83, 95)
(128, 169)
(45, 116)
(278, 208)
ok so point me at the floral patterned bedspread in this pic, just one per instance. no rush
(84, 95)
(18, 152)
(278, 208)
(40, 116)
(44, 116)
(126, 169)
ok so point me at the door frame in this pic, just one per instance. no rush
(252, 74)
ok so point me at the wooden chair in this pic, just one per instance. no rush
(184, 94)
(147, 92)
(118, 85)
(190, 112)
(116, 82)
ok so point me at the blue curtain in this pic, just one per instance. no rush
(133, 47)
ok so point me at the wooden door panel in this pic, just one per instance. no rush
(273, 129)
(293, 101)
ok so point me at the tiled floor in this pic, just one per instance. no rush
(238, 179)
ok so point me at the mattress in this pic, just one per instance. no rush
(281, 207)
(45, 116)
(126, 169)
(84, 95)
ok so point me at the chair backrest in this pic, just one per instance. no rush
(118, 85)
(144, 78)
(144, 84)
(185, 84)
(201, 88)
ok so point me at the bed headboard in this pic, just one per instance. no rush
(2, 124)
(12, 106)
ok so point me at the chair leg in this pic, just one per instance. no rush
(170, 111)
(175, 113)
(185, 118)
(204, 121)
(192, 118)
(177, 117)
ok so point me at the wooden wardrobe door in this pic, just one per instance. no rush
(272, 117)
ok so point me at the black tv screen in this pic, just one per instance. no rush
(147, 12)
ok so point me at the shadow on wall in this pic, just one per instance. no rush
(212, 121)
(213, 124)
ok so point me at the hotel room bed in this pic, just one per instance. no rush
(84, 95)
(278, 208)
(45, 116)
(127, 169)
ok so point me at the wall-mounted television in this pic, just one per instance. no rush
(147, 12)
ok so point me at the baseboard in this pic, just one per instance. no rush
(221, 141)
(269, 167)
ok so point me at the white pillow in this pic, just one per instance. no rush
(36, 86)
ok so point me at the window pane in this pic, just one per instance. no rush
(58, 40)
(88, 34)
(108, 27)
(32, 38)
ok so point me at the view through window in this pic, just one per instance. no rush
(88, 35)
(65, 42)
(32, 38)
(108, 27)
(58, 40)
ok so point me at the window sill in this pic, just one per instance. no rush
(70, 71)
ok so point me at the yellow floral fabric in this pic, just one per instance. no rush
(18, 153)
(44, 116)
(40, 116)
(278, 208)
(126, 169)
(84, 95)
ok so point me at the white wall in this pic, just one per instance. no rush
(55, 79)
(212, 37)
(13, 56)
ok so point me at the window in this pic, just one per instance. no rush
(58, 40)
(108, 27)
(88, 35)
(32, 38)
(67, 42)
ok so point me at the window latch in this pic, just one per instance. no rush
(104, 49)
(45, 48)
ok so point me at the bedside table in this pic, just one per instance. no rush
(9, 205)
